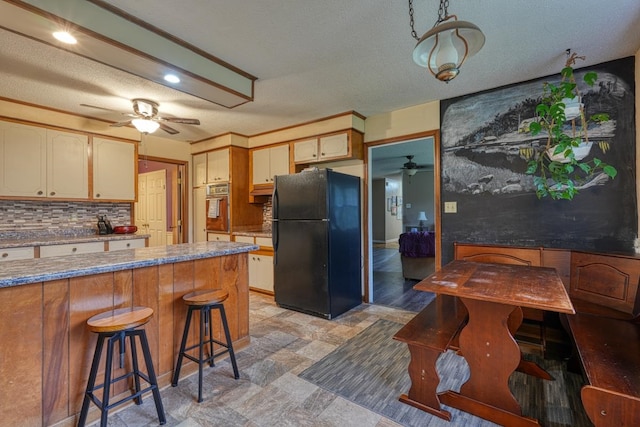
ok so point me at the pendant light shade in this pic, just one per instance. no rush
(444, 48)
(145, 125)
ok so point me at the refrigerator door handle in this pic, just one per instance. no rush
(274, 240)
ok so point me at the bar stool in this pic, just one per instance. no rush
(204, 301)
(115, 326)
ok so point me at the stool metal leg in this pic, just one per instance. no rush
(152, 375)
(183, 345)
(203, 322)
(136, 368)
(91, 382)
(232, 355)
(106, 388)
(210, 334)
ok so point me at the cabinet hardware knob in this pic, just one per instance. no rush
(74, 249)
(322, 154)
(39, 193)
(53, 193)
(4, 255)
(314, 155)
(128, 244)
(98, 195)
(266, 179)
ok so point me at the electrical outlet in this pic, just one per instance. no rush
(408, 206)
(450, 207)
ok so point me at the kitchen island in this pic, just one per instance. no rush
(45, 347)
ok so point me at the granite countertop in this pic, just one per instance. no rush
(49, 240)
(36, 270)
(252, 231)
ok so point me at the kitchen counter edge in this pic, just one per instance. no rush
(23, 272)
(62, 240)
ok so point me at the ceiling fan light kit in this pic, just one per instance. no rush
(445, 47)
(145, 126)
(146, 119)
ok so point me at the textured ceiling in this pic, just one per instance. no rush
(320, 58)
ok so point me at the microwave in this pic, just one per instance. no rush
(215, 190)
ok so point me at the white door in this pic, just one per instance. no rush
(152, 206)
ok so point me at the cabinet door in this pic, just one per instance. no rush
(334, 146)
(199, 215)
(67, 165)
(114, 167)
(218, 165)
(261, 272)
(218, 237)
(305, 151)
(116, 245)
(261, 167)
(71, 249)
(23, 160)
(12, 254)
(279, 161)
(199, 162)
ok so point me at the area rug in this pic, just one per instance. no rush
(371, 370)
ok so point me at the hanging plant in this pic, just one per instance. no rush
(559, 168)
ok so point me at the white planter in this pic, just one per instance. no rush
(580, 152)
(572, 107)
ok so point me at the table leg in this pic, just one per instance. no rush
(492, 354)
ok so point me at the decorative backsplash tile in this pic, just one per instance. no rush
(266, 215)
(26, 218)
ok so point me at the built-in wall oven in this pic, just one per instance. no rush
(218, 207)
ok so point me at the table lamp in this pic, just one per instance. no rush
(422, 217)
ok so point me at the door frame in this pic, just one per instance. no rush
(181, 202)
(368, 258)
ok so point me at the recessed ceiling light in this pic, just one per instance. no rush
(65, 37)
(172, 78)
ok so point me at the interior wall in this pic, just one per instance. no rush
(418, 192)
(393, 209)
(378, 209)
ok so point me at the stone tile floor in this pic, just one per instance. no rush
(269, 392)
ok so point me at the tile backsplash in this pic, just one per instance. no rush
(25, 217)
(266, 215)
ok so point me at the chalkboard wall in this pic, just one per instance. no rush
(483, 170)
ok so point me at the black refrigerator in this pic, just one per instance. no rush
(317, 242)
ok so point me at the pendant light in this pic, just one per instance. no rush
(444, 48)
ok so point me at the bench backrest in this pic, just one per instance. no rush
(609, 280)
(498, 254)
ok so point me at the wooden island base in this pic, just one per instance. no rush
(47, 350)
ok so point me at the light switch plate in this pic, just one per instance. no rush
(408, 206)
(450, 207)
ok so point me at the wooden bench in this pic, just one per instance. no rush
(429, 334)
(605, 329)
(606, 333)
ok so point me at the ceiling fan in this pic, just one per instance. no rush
(145, 118)
(411, 167)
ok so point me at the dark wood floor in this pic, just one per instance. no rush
(389, 286)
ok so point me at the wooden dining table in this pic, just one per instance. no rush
(491, 293)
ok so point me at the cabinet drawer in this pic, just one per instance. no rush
(71, 249)
(244, 239)
(264, 241)
(12, 254)
(116, 245)
(217, 237)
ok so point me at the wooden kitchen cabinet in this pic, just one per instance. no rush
(39, 162)
(71, 249)
(67, 165)
(218, 166)
(114, 170)
(218, 237)
(261, 272)
(269, 162)
(330, 147)
(13, 254)
(116, 245)
(199, 163)
(199, 214)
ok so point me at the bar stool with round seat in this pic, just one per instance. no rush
(115, 326)
(204, 301)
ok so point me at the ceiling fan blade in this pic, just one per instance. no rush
(120, 124)
(179, 120)
(168, 129)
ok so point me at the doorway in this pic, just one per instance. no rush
(402, 191)
(161, 207)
